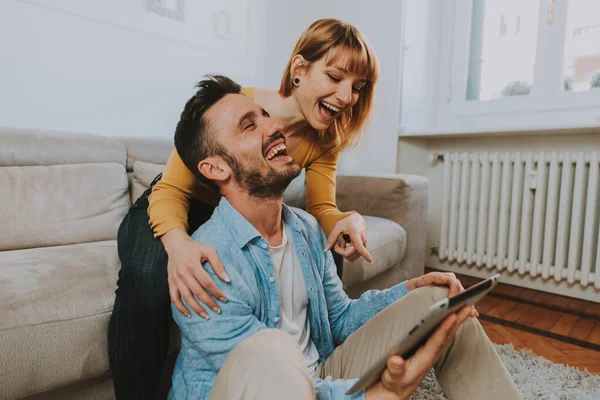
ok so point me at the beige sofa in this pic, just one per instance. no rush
(63, 197)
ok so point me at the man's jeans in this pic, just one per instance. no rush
(138, 332)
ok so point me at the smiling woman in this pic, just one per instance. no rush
(324, 99)
(340, 69)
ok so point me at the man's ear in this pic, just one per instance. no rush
(215, 169)
(298, 66)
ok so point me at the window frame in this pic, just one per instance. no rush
(546, 107)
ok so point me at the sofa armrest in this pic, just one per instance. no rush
(397, 197)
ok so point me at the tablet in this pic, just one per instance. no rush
(419, 334)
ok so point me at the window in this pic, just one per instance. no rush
(511, 64)
(502, 48)
(581, 68)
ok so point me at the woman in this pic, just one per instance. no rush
(325, 97)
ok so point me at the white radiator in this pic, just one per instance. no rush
(537, 214)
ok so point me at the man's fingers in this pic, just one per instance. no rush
(474, 312)
(215, 263)
(454, 288)
(460, 286)
(453, 284)
(360, 248)
(444, 332)
(463, 314)
(388, 380)
(395, 365)
(429, 353)
(393, 374)
(446, 279)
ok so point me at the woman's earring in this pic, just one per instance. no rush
(296, 81)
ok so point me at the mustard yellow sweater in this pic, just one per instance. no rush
(170, 197)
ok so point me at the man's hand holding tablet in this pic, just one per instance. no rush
(401, 377)
(397, 375)
(439, 279)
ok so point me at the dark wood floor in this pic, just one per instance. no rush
(561, 329)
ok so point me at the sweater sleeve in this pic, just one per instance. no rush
(170, 197)
(320, 191)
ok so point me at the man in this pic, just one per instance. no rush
(274, 337)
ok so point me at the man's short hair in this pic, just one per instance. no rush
(194, 138)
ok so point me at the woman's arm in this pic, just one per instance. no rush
(320, 203)
(320, 191)
(170, 198)
(168, 212)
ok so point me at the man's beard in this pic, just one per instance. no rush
(264, 186)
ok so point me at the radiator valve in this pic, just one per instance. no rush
(436, 158)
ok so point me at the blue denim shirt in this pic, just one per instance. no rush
(253, 301)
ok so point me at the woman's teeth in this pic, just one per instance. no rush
(275, 151)
(333, 109)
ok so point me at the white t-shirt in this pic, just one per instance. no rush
(294, 300)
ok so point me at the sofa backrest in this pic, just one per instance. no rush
(148, 150)
(58, 188)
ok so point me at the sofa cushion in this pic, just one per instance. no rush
(386, 244)
(144, 173)
(61, 204)
(20, 147)
(56, 304)
(148, 150)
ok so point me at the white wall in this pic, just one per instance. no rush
(112, 67)
(381, 24)
(285, 21)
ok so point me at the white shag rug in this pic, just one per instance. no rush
(536, 377)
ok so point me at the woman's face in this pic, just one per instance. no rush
(327, 91)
